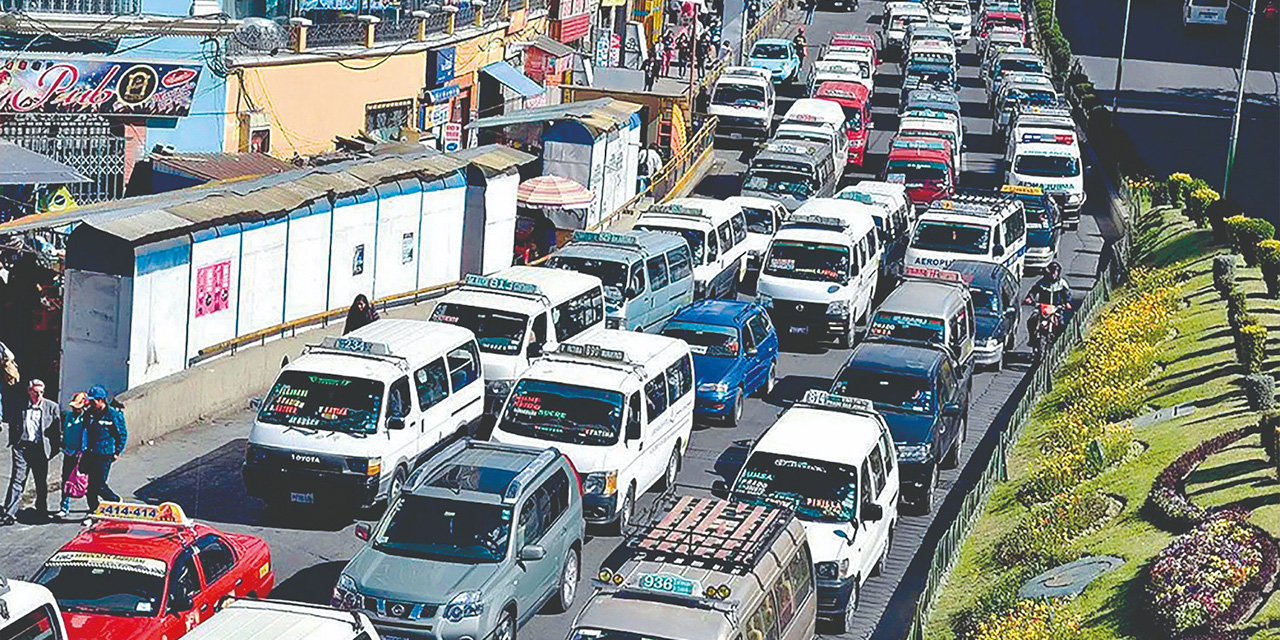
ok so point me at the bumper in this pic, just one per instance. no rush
(311, 487)
(816, 325)
(713, 406)
(433, 628)
(1038, 257)
(987, 356)
(857, 155)
(833, 596)
(915, 481)
(742, 132)
(598, 508)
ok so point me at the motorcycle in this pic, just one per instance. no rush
(1044, 330)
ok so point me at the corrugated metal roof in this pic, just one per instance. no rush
(220, 166)
(494, 159)
(555, 48)
(19, 165)
(161, 215)
(601, 114)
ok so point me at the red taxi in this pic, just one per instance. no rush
(147, 572)
(924, 166)
(855, 40)
(1010, 19)
(855, 99)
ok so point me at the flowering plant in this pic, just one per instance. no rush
(1032, 620)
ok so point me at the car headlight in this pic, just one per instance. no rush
(839, 308)
(611, 322)
(1075, 198)
(713, 387)
(467, 604)
(345, 593)
(501, 388)
(913, 452)
(601, 482)
(765, 300)
(857, 144)
(990, 343)
(827, 570)
(365, 466)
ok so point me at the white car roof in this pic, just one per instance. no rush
(256, 619)
(752, 75)
(646, 354)
(858, 216)
(825, 109)
(904, 8)
(755, 202)
(927, 124)
(1046, 149)
(717, 210)
(811, 432)
(879, 187)
(936, 215)
(415, 341)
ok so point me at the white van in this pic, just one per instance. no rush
(831, 458)
(279, 620)
(29, 612)
(817, 114)
(988, 228)
(895, 221)
(518, 312)
(743, 101)
(819, 276)
(619, 404)
(764, 217)
(1049, 159)
(717, 235)
(935, 124)
(860, 71)
(348, 420)
(897, 16)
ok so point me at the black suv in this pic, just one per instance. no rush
(923, 396)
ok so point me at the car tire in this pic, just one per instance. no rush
(506, 628)
(397, 484)
(844, 622)
(567, 589)
(952, 459)
(673, 469)
(926, 503)
(770, 380)
(626, 511)
(735, 414)
(846, 339)
(878, 570)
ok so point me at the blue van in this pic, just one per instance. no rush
(995, 309)
(1044, 224)
(735, 353)
(647, 275)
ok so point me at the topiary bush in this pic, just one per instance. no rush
(1245, 234)
(1238, 310)
(1198, 200)
(1260, 391)
(1224, 274)
(1251, 346)
(998, 600)
(1217, 213)
(1269, 260)
(1179, 185)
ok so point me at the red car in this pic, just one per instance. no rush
(147, 572)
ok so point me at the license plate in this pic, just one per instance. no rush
(735, 135)
(799, 329)
(302, 498)
(389, 637)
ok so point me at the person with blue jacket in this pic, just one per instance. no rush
(105, 436)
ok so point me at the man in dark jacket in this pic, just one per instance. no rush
(105, 435)
(35, 436)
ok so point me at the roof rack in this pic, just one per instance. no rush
(789, 148)
(605, 237)
(358, 347)
(677, 210)
(819, 399)
(815, 220)
(461, 445)
(527, 289)
(728, 536)
(594, 354)
(978, 204)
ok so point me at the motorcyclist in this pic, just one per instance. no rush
(1052, 289)
(800, 43)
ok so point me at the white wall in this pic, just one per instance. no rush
(399, 217)
(262, 281)
(354, 226)
(500, 221)
(615, 173)
(631, 136)
(95, 331)
(214, 321)
(306, 289)
(440, 248)
(158, 342)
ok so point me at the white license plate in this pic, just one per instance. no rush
(735, 135)
(387, 637)
(799, 329)
(302, 498)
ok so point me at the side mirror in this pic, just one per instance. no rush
(531, 552)
(363, 531)
(534, 350)
(753, 352)
(872, 512)
(998, 249)
(720, 489)
(951, 410)
(255, 403)
(395, 424)
(848, 539)
(180, 603)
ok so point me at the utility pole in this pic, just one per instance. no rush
(1124, 43)
(1235, 118)
(742, 37)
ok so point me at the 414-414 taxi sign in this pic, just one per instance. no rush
(166, 513)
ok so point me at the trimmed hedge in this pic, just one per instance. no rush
(1269, 260)
(1245, 234)
(1260, 391)
(1251, 346)
(1224, 274)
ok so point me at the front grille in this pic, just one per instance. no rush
(800, 308)
(400, 609)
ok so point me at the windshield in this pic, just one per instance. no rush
(500, 332)
(1037, 213)
(929, 76)
(706, 339)
(1020, 65)
(779, 182)
(612, 274)
(901, 22)
(1003, 22)
(770, 51)
(818, 491)
(446, 529)
(933, 57)
(739, 95)
(808, 261)
(697, 239)
(759, 220)
(563, 413)
(913, 174)
(798, 135)
(323, 401)
(952, 237)
(888, 391)
(1047, 166)
(908, 327)
(102, 588)
(985, 302)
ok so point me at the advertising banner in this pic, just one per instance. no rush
(99, 86)
(213, 288)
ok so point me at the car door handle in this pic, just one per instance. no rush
(239, 582)
(204, 607)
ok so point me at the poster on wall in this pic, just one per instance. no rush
(615, 50)
(602, 50)
(213, 288)
(357, 260)
(95, 85)
(406, 248)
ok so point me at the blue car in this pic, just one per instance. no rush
(778, 56)
(735, 353)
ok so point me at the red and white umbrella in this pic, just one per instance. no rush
(553, 191)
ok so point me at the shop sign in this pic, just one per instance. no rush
(602, 50)
(107, 87)
(438, 115)
(443, 94)
(440, 66)
(452, 136)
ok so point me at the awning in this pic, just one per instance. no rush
(511, 77)
(19, 165)
(555, 49)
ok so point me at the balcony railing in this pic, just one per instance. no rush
(90, 7)
(336, 34)
(396, 30)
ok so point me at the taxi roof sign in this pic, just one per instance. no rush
(1022, 190)
(499, 284)
(919, 144)
(163, 514)
(352, 344)
(1049, 138)
(782, 147)
(592, 351)
(856, 196)
(933, 273)
(817, 220)
(676, 210)
(820, 398)
(604, 237)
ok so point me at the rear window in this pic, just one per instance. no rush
(908, 327)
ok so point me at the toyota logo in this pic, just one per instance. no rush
(298, 457)
(397, 610)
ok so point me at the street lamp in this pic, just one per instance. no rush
(1124, 43)
(1235, 117)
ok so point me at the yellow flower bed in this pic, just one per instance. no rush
(1032, 620)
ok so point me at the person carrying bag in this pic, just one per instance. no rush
(75, 482)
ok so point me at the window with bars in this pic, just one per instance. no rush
(90, 144)
(385, 119)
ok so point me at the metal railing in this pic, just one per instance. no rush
(405, 28)
(762, 28)
(336, 34)
(90, 7)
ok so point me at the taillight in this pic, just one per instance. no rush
(577, 476)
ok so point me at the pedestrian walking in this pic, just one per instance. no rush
(35, 433)
(105, 437)
(75, 483)
(650, 67)
(668, 52)
(360, 314)
(9, 375)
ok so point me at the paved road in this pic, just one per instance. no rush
(1179, 91)
(199, 467)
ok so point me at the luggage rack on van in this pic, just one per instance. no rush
(528, 290)
(812, 220)
(728, 536)
(819, 399)
(605, 237)
(978, 204)
(677, 210)
(359, 348)
(596, 354)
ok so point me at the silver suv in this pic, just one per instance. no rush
(482, 536)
